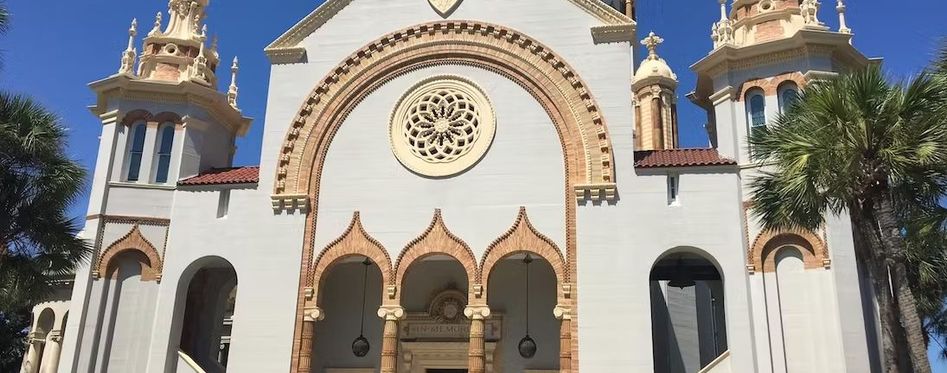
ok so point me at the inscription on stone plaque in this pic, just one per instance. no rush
(421, 327)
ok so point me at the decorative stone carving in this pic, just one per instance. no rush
(442, 126)
(444, 7)
(810, 12)
(722, 31)
(130, 54)
(448, 307)
(133, 241)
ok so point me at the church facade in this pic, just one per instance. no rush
(457, 186)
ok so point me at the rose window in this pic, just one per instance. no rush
(442, 126)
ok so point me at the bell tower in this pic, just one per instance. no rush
(163, 117)
(655, 101)
(765, 52)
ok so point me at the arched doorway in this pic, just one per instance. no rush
(129, 297)
(435, 334)
(688, 327)
(350, 293)
(209, 291)
(523, 289)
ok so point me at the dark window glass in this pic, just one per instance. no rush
(757, 111)
(134, 152)
(789, 98)
(166, 139)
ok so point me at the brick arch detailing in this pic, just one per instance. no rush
(523, 238)
(556, 85)
(437, 239)
(136, 115)
(770, 86)
(762, 258)
(353, 242)
(133, 241)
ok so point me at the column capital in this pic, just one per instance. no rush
(562, 312)
(313, 314)
(391, 313)
(55, 336)
(477, 312)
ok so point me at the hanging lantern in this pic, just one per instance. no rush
(527, 346)
(679, 277)
(360, 346)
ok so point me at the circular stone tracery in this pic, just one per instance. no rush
(442, 126)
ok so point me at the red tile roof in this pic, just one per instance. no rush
(680, 158)
(220, 176)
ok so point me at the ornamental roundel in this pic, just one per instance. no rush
(442, 126)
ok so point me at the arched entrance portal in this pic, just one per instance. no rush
(208, 316)
(688, 327)
(522, 287)
(350, 294)
(435, 332)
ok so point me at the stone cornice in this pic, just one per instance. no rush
(285, 49)
(126, 87)
(804, 43)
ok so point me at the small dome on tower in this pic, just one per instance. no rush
(654, 66)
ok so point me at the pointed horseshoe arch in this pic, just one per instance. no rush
(133, 241)
(354, 242)
(437, 239)
(523, 238)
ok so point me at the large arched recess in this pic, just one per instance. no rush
(586, 145)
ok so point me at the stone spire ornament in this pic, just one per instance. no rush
(842, 26)
(652, 42)
(232, 92)
(810, 12)
(200, 62)
(722, 31)
(130, 54)
(157, 28)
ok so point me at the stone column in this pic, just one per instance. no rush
(389, 344)
(53, 348)
(564, 315)
(31, 363)
(310, 316)
(477, 357)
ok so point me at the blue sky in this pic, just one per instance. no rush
(56, 47)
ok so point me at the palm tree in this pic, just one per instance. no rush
(926, 234)
(859, 145)
(38, 182)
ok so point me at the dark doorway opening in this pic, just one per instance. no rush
(447, 371)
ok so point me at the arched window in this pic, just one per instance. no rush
(756, 108)
(135, 150)
(165, 140)
(788, 95)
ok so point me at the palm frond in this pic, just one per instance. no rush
(38, 182)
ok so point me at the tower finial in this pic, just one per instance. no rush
(843, 27)
(128, 57)
(810, 12)
(722, 31)
(198, 70)
(157, 28)
(652, 42)
(232, 92)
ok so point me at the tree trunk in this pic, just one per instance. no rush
(907, 307)
(868, 248)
